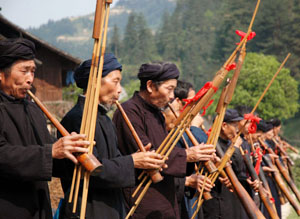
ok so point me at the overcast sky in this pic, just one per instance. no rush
(33, 13)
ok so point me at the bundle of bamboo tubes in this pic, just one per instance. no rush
(88, 124)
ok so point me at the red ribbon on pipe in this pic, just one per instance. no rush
(242, 35)
(230, 66)
(259, 159)
(199, 94)
(254, 120)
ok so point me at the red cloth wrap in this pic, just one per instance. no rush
(230, 67)
(242, 35)
(254, 120)
(199, 94)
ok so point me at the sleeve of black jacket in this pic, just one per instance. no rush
(118, 171)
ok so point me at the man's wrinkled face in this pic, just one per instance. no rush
(269, 134)
(110, 88)
(246, 127)
(163, 93)
(19, 80)
(230, 129)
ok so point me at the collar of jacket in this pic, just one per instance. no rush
(146, 105)
(101, 109)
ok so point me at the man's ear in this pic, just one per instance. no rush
(149, 85)
(224, 126)
(1, 75)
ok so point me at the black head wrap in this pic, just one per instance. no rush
(12, 50)
(264, 126)
(160, 71)
(82, 73)
(232, 115)
(275, 122)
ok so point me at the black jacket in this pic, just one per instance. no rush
(25, 160)
(105, 198)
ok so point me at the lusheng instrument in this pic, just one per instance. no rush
(90, 111)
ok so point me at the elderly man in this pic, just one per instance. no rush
(105, 198)
(157, 83)
(26, 147)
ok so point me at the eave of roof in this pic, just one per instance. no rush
(38, 40)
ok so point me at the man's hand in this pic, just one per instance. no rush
(148, 160)
(202, 152)
(66, 146)
(254, 184)
(196, 181)
(268, 169)
(226, 182)
(238, 142)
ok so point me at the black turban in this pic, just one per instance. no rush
(160, 71)
(264, 126)
(82, 73)
(12, 50)
(275, 122)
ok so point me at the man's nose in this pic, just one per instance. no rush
(29, 78)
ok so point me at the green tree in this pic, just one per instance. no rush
(280, 101)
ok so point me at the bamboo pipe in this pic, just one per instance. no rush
(282, 170)
(281, 184)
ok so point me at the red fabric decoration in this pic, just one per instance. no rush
(208, 132)
(205, 107)
(230, 67)
(258, 162)
(272, 200)
(242, 35)
(254, 120)
(199, 94)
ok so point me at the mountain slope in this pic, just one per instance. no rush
(73, 34)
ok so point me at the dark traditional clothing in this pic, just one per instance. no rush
(185, 196)
(160, 200)
(224, 203)
(105, 195)
(25, 160)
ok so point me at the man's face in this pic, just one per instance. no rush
(162, 94)
(230, 129)
(269, 134)
(110, 88)
(19, 80)
(277, 130)
(246, 127)
(256, 135)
